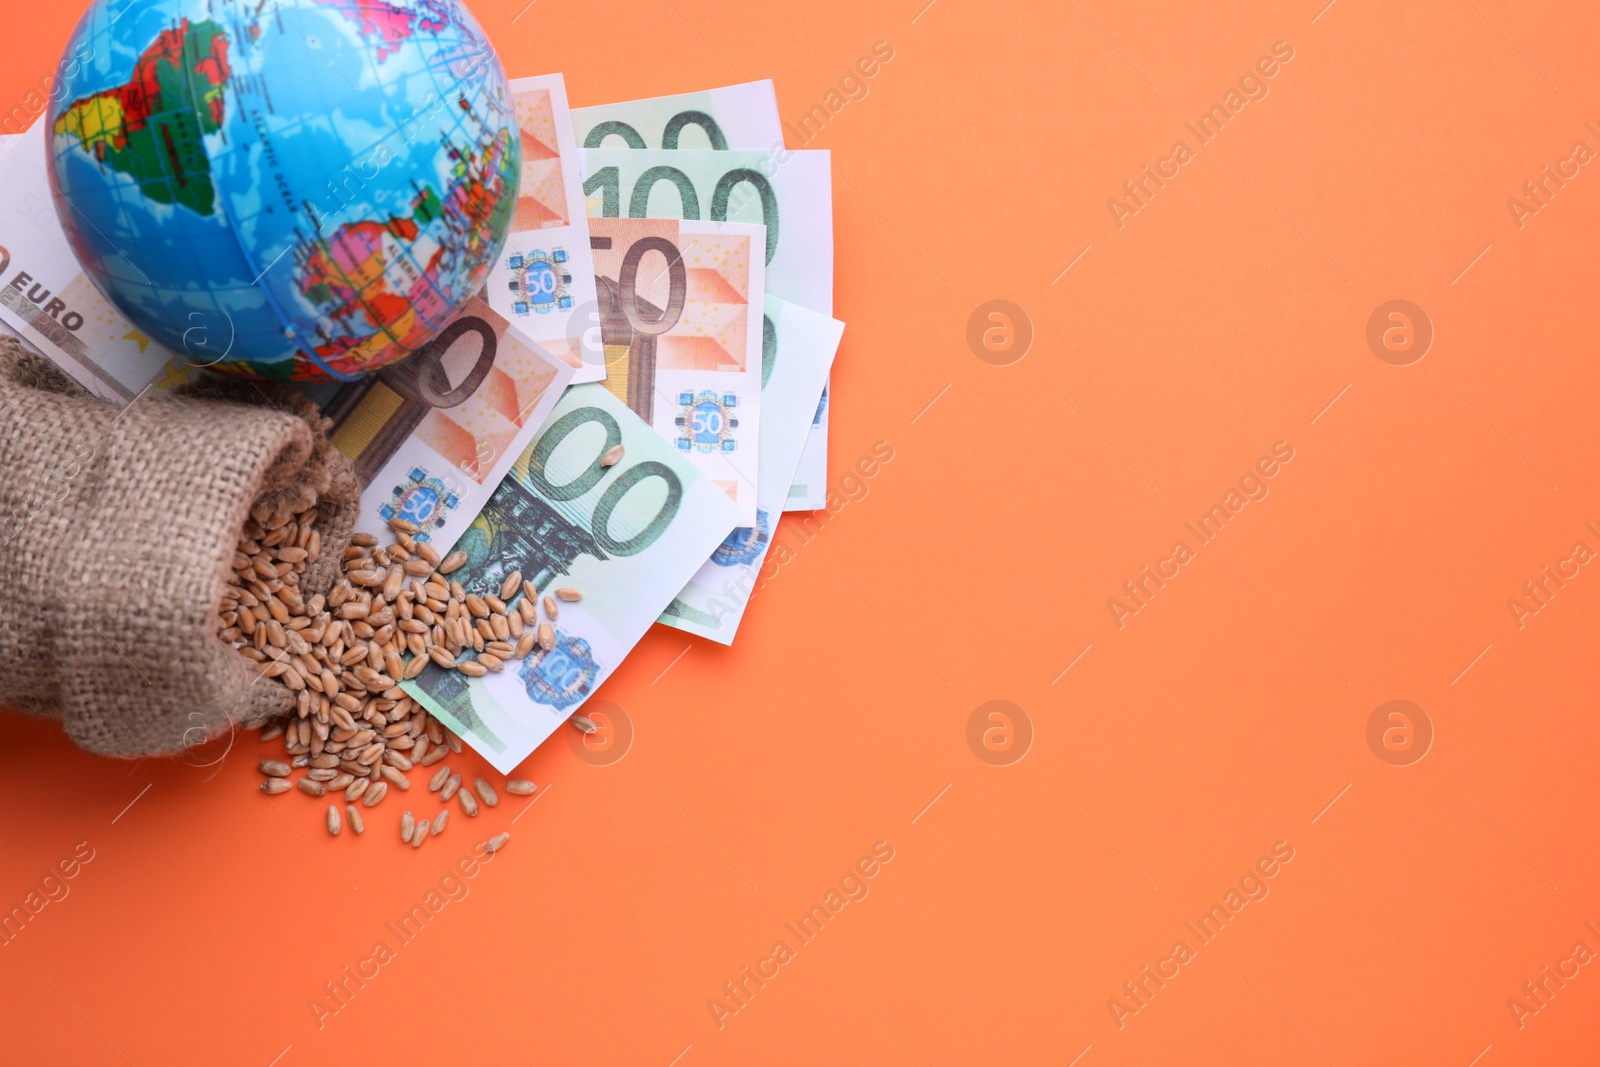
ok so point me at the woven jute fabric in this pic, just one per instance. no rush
(118, 528)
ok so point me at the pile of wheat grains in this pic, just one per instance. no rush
(392, 612)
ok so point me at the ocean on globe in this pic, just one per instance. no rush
(293, 190)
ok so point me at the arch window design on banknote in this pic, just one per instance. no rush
(520, 531)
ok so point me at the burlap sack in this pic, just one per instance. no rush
(117, 534)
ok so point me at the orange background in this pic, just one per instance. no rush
(1222, 718)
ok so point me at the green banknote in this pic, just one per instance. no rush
(794, 371)
(627, 536)
(740, 117)
(790, 193)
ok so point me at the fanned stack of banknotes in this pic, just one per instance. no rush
(667, 287)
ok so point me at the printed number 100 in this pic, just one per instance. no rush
(608, 182)
(627, 478)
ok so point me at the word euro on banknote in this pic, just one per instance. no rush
(431, 436)
(757, 115)
(794, 371)
(682, 327)
(626, 536)
(544, 280)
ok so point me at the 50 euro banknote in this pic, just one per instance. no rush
(682, 326)
(431, 436)
(790, 193)
(739, 118)
(543, 282)
(626, 535)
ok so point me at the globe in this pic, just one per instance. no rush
(294, 190)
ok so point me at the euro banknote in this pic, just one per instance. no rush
(544, 280)
(794, 371)
(626, 536)
(6, 330)
(682, 327)
(810, 488)
(739, 117)
(431, 436)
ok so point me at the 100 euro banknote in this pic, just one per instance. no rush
(681, 310)
(627, 536)
(794, 371)
(791, 194)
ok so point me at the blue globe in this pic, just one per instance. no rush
(300, 190)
